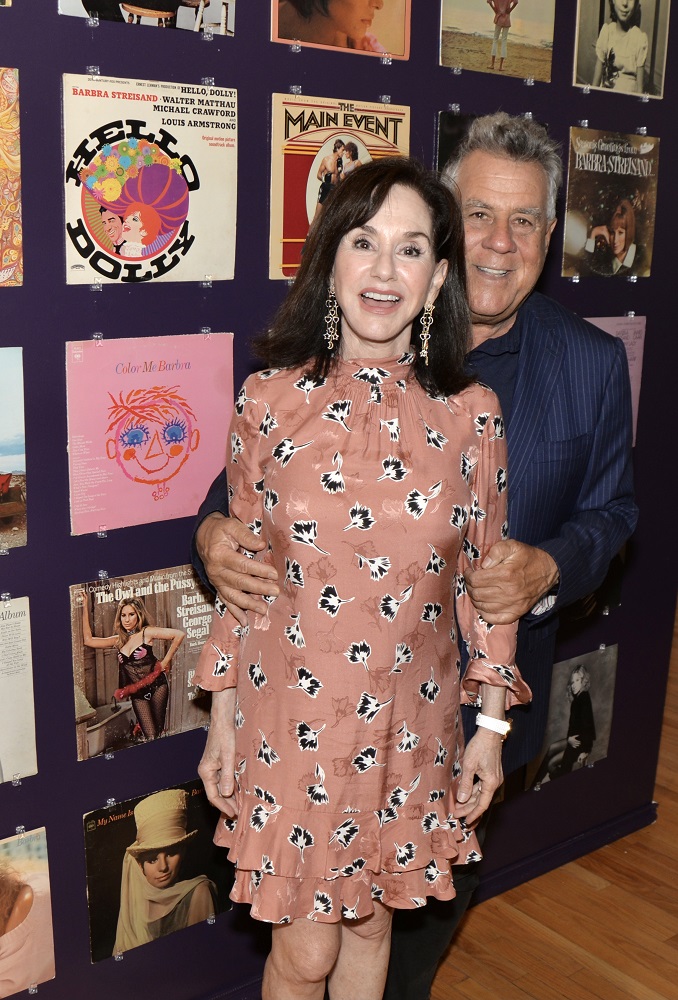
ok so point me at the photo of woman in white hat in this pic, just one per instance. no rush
(154, 900)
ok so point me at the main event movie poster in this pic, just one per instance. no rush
(611, 204)
(147, 426)
(148, 168)
(316, 143)
(124, 699)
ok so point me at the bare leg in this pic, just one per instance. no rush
(360, 969)
(302, 955)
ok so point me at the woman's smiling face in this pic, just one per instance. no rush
(128, 618)
(133, 227)
(384, 273)
(624, 10)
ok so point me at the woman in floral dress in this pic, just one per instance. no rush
(376, 473)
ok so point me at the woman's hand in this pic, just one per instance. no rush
(600, 231)
(481, 771)
(482, 760)
(218, 760)
(237, 579)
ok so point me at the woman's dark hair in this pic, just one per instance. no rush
(352, 150)
(633, 21)
(306, 8)
(296, 335)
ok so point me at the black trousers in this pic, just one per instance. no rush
(421, 937)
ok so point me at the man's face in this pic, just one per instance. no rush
(112, 226)
(503, 205)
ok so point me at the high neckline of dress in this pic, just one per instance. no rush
(377, 370)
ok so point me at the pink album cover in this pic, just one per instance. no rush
(147, 425)
(630, 329)
(364, 27)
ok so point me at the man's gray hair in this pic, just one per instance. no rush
(515, 138)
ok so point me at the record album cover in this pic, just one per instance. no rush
(317, 142)
(18, 757)
(363, 27)
(136, 640)
(152, 868)
(11, 227)
(217, 16)
(630, 329)
(621, 46)
(12, 450)
(27, 951)
(502, 37)
(147, 425)
(148, 167)
(611, 204)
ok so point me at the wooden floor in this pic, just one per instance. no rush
(583, 932)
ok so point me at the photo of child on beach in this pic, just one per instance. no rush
(513, 37)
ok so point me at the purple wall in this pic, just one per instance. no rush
(533, 831)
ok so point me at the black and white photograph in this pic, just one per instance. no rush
(621, 46)
(580, 716)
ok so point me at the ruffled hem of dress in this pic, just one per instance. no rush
(279, 852)
(278, 900)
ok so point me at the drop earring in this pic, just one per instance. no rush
(426, 321)
(331, 318)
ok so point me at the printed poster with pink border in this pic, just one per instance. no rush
(147, 426)
(363, 27)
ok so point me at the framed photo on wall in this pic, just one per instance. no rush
(362, 27)
(621, 46)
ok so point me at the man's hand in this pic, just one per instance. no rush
(237, 579)
(218, 760)
(510, 580)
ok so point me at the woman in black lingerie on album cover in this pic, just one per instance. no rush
(143, 678)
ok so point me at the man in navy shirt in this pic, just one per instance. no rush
(564, 389)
